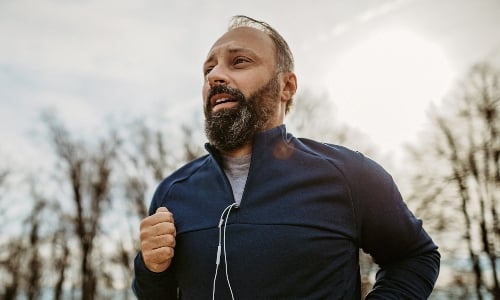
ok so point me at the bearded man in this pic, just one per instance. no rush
(266, 215)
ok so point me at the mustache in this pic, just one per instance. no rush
(224, 89)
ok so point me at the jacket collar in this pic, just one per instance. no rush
(261, 141)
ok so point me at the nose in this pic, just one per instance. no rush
(217, 76)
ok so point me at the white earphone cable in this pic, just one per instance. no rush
(225, 256)
(223, 221)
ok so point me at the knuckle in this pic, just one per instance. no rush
(143, 235)
(146, 247)
(170, 252)
(143, 224)
(170, 228)
(161, 229)
(164, 254)
(170, 240)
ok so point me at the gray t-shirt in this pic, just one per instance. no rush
(236, 169)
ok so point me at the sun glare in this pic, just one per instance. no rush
(384, 84)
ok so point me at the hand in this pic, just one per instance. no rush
(158, 240)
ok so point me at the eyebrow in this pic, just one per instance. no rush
(232, 50)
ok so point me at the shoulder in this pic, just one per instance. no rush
(186, 171)
(337, 154)
(181, 174)
(352, 163)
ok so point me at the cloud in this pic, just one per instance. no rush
(89, 59)
(92, 38)
(381, 10)
(92, 58)
(362, 17)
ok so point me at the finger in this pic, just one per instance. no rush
(159, 229)
(159, 255)
(163, 212)
(163, 229)
(159, 217)
(161, 209)
(168, 239)
(158, 242)
(159, 259)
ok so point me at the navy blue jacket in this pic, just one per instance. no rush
(307, 209)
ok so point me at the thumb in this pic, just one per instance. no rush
(162, 209)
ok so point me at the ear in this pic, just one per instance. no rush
(289, 86)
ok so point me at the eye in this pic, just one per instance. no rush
(241, 60)
(207, 70)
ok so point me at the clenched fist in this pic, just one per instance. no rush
(158, 240)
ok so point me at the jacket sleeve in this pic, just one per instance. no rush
(408, 258)
(148, 285)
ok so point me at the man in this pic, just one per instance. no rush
(266, 215)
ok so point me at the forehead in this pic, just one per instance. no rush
(244, 38)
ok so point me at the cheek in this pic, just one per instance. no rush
(204, 92)
(252, 84)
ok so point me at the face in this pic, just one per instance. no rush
(242, 89)
(229, 129)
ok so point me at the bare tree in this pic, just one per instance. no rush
(147, 155)
(35, 260)
(144, 161)
(459, 175)
(70, 218)
(144, 158)
(12, 251)
(60, 255)
(4, 174)
(25, 262)
(191, 145)
(89, 175)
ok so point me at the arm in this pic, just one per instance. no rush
(407, 256)
(410, 277)
(150, 285)
(154, 275)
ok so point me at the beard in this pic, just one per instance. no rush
(232, 128)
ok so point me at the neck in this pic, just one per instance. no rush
(242, 151)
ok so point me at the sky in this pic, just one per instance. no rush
(382, 63)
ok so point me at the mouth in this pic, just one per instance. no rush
(221, 99)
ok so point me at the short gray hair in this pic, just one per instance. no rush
(284, 56)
